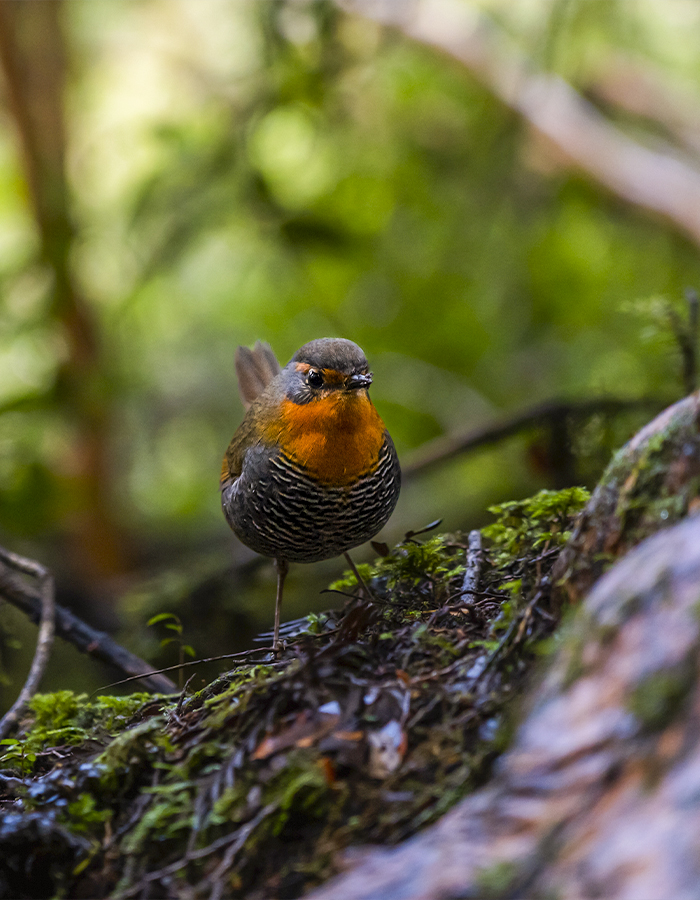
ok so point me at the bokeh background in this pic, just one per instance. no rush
(178, 177)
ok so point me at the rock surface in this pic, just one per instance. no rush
(651, 483)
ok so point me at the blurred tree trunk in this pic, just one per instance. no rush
(664, 182)
(34, 62)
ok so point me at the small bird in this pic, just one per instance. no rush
(312, 470)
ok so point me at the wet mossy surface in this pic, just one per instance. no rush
(661, 696)
(371, 723)
(650, 484)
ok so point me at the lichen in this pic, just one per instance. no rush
(659, 697)
(497, 880)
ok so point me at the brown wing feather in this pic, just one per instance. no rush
(255, 370)
(246, 436)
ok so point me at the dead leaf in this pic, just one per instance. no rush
(387, 748)
(308, 727)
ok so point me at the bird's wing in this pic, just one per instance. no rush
(255, 370)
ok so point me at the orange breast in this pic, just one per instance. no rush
(337, 438)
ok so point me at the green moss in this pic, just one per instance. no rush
(657, 700)
(120, 761)
(409, 563)
(300, 789)
(165, 819)
(232, 802)
(497, 880)
(646, 487)
(57, 709)
(66, 718)
(83, 813)
(537, 522)
(348, 581)
(69, 709)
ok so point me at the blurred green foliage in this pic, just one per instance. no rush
(286, 170)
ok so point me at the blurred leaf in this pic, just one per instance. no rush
(161, 617)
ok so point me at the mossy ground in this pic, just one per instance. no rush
(372, 722)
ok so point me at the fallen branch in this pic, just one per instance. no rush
(643, 89)
(470, 584)
(72, 629)
(44, 640)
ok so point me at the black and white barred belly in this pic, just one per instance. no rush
(278, 510)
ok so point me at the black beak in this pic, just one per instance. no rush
(355, 382)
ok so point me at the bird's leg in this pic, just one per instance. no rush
(360, 580)
(282, 567)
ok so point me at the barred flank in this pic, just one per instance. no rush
(282, 512)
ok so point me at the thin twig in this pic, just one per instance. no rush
(690, 352)
(87, 639)
(44, 639)
(236, 840)
(473, 573)
(217, 876)
(362, 585)
(12, 785)
(152, 673)
(183, 694)
(443, 448)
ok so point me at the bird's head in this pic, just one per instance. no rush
(325, 369)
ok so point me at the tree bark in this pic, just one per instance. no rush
(34, 64)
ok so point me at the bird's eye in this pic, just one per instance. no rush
(314, 378)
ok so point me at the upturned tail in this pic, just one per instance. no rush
(255, 369)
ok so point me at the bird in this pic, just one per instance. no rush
(311, 471)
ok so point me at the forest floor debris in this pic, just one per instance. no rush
(371, 722)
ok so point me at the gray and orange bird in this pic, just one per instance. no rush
(311, 471)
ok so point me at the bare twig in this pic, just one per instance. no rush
(690, 355)
(662, 182)
(151, 673)
(361, 583)
(443, 448)
(233, 841)
(44, 640)
(685, 331)
(216, 879)
(473, 573)
(12, 785)
(183, 694)
(71, 628)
